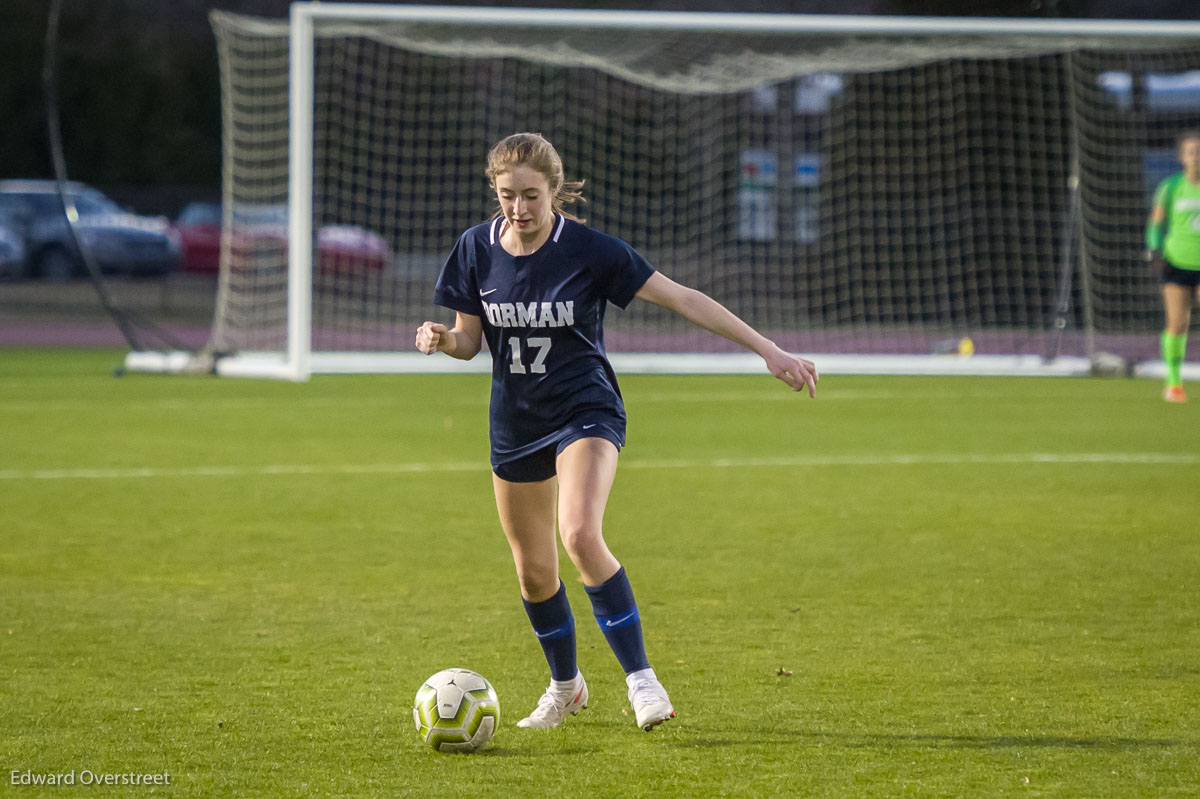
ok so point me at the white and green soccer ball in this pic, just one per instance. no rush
(456, 710)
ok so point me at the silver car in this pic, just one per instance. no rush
(13, 262)
(120, 242)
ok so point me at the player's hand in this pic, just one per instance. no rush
(431, 337)
(1156, 262)
(797, 372)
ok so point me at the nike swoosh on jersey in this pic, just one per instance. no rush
(588, 426)
(485, 293)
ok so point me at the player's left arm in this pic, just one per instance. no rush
(1155, 225)
(701, 309)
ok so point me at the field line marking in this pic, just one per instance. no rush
(148, 472)
(210, 405)
(1114, 458)
(238, 471)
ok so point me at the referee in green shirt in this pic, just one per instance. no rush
(1173, 250)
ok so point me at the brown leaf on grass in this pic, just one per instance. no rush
(783, 672)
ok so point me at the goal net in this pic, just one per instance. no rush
(857, 187)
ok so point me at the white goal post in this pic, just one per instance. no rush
(890, 194)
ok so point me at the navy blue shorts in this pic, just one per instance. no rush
(541, 464)
(1181, 277)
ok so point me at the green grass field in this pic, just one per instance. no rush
(906, 587)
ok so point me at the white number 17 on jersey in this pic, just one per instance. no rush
(542, 345)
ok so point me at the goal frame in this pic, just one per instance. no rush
(298, 361)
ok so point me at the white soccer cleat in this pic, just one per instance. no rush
(650, 703)
(554, 706)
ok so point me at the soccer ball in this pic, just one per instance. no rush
(456, 710)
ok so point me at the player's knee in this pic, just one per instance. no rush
(538, 580)
(580, 538)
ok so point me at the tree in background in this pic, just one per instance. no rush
(139, 94)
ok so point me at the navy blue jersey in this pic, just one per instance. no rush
(543, 318)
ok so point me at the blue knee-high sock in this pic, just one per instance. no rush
(555, 628)
(617, 614)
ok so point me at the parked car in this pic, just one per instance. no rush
(261, 231)
(198, 227)
(13, 262)
(121, 242)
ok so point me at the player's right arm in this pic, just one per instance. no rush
(462, 341)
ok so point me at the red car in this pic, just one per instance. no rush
(199, 229)
(261, 231)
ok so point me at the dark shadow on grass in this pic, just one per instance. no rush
(504, 751)
(497, 751)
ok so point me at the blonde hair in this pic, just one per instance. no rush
(534, 151)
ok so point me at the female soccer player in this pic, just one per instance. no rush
(1176, 256)
(536, 281)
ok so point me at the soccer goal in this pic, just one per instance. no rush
(892, 194)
